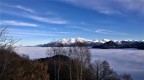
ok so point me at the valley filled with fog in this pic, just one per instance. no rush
(121, 60)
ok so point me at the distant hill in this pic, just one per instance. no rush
(122, 44)
(105, 43)
(56, 57)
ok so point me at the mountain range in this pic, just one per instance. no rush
(105, 43)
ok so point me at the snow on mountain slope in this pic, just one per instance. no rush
(79, 39)
(71, 41)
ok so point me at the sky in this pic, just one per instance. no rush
(41, 21)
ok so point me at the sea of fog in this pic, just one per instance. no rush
(121, 60)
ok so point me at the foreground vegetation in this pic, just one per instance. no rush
(14, 67)
(58, 67)
(73, 63)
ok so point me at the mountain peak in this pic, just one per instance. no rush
(106, 40)
(72, 40)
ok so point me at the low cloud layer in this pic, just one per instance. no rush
(121, 60)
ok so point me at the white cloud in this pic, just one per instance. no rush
(50, 13)
(111, 6)
(55, 19)
(100, 31)
(43, 19)
(33, 34)
(80, 28)
(19, 7)
(103, 31)
(134, 5)
(25, 9)
(75, 27)
(65, 33)
(17, 23)
(25, 32)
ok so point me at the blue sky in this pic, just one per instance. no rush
(41, 21)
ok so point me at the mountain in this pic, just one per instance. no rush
(105, 43)
(109, 44)
(121, 44)
(74, 41)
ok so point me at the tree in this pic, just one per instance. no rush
(73, 63)
(102, 71)
(57, 51)
(6, 43)
(126, 76)
(81, 55)
(15, 67)
(79, 61)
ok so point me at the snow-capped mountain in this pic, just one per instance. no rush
(73, 40)
(81, 40)
(96, 43)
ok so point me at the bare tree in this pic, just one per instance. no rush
(126, 76)
(57, 51)
(69, 54)
(102, 71)
(82, 60)
(6, 43)
(2, 39)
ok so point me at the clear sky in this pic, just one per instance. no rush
(41, 21)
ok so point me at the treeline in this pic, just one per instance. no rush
(65, 64)
(74, 63)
